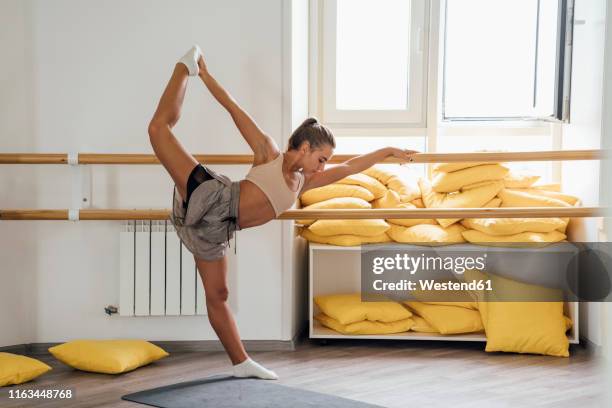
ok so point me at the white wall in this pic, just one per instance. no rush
(86, 76)
(581, 178)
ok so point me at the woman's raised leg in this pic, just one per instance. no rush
(214, 278)
(170, 152)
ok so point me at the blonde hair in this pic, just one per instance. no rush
(313, 132)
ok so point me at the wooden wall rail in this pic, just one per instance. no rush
(162, 214)
(89, 158)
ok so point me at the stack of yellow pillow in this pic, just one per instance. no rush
(454, 185)
(347, 314)
(519, 191)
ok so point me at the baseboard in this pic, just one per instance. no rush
(594, 349)
(39, 349)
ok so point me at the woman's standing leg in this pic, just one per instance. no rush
(214, 278)
(170, 152)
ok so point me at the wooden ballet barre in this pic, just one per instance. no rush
(94, 158)
(379, 213)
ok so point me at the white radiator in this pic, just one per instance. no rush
(158, 275)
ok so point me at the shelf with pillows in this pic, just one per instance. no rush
(334, 245)
(336, 312)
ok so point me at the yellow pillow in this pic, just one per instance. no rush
(380, 173)
(344, 240)
(522, 327)
(450, 167)
(366, 326)
(364, 228)
(334, 190)
(511, 226)
(107, 356)
(407, 187)
(474, 198)
(348, 308)
(570, 199)
(458, 298)
(335, 203)
(477, 184)
(17, 369)
(427, 234)
(527, 327)
(421, 325)
(409, 222)
(418, 203)
(448, 319)
(449, 182)
(548, 187)
(514, 198)
(365, 181)
(390, 200)
(520, 180)
(477, 237)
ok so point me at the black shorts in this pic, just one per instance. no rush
(198, 176)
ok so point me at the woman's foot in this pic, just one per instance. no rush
(190, 60)
(249, 368)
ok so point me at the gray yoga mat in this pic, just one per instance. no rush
(231, 392)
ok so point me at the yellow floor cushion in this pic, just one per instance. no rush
(366, 326)
(334, 190)
(520, 180)
(421, 325)
(344, 240)
(450, 167)
(477, 237)
(18, 369)
(448, 319)
(390, 200)
(426, 234)
(336, 203)
(515, 198)
(348, 308)
(570, 199)
(474, 198)
(364, 227)
(377, 188)
(107, 356)
(449, 182)
(511, 226)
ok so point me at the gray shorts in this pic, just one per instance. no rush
(211, 217)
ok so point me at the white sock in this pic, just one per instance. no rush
(190, 60)
(249, 368)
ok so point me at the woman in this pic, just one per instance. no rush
(210, 207)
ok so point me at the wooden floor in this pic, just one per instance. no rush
(386, 373)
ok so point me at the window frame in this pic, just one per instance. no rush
(433, 124)
(415, 115)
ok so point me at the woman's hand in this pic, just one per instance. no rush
(402, 154)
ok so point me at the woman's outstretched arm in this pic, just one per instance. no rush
(355, 165)
(261, 144)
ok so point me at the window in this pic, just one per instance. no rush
(374, 58)
(507, 59)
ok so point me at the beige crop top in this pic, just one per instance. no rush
(269, 178)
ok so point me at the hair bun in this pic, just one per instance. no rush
(310, 121)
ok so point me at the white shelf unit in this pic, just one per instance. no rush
(335, 269)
